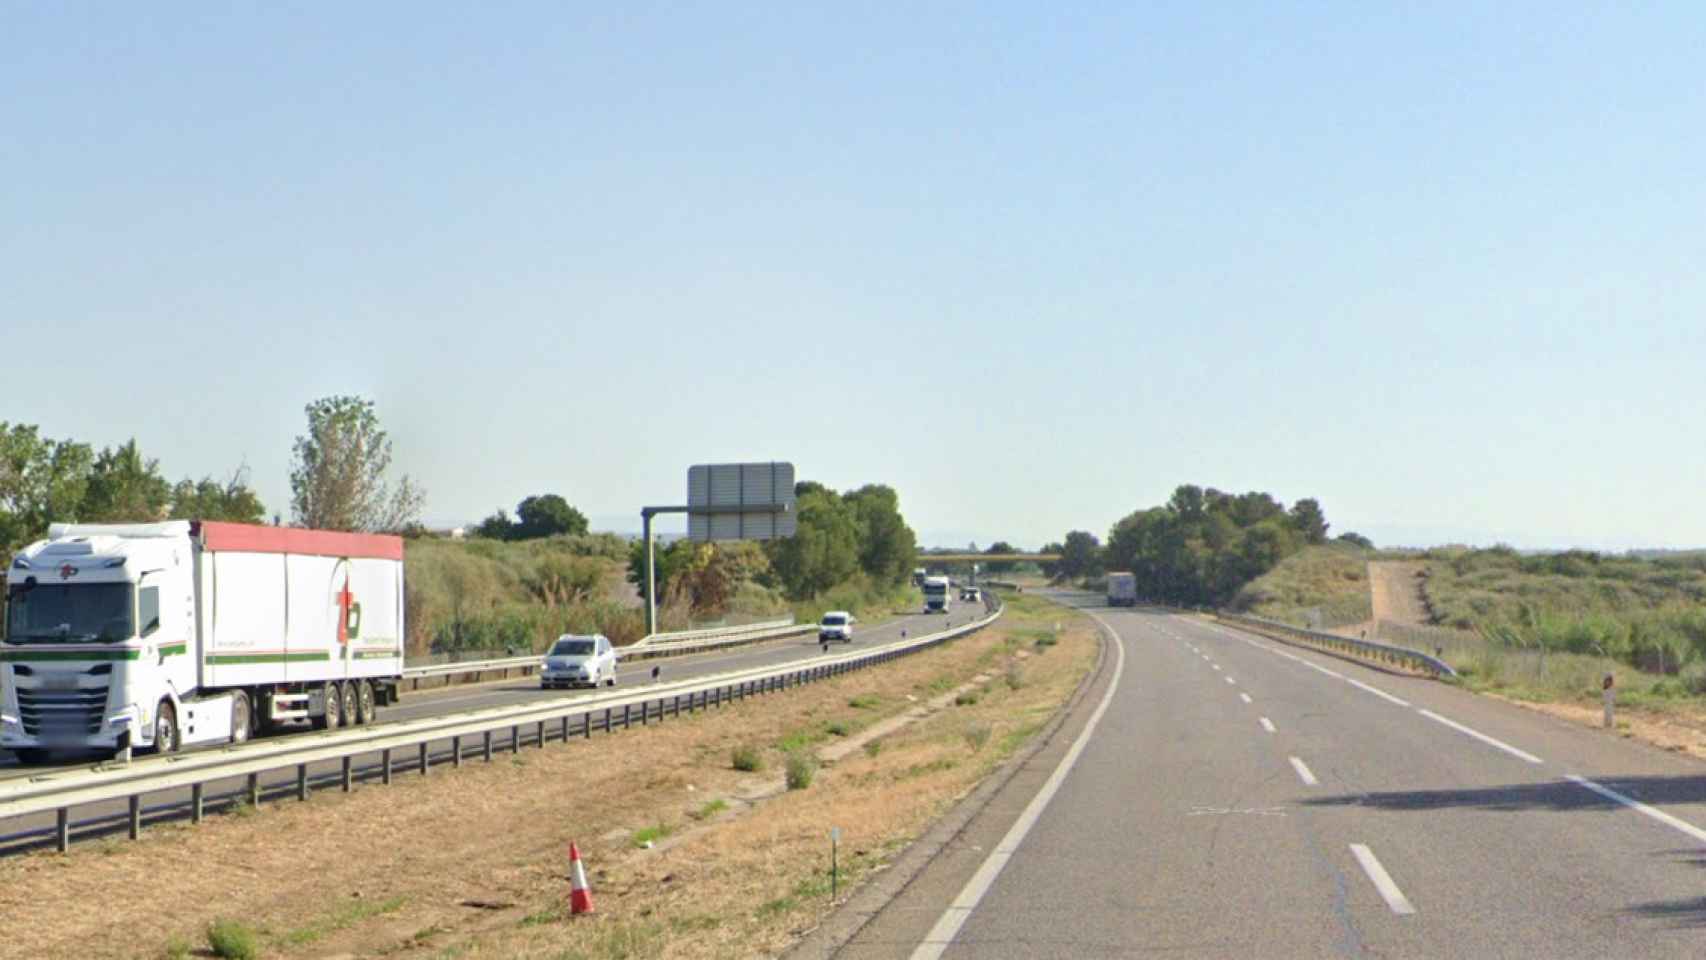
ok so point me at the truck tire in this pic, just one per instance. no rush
(30, 756)
(242, 718)
(332, 717)
(361, 712)
(166, 739)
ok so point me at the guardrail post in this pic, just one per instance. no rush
(627, 719)
(586, 725)
(515, 738)
(196, 797)
(541, 734)
(488, 746)
(349, 774)
(678, 705)
(302, 781)
(606, 719)
(254, 789)
(135, 816)
(385, 766)
(63, 829)
(425, 760)
(456, 751)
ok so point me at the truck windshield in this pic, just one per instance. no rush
(834, 620)
(58, 613)
(572, 648)
(935, 588)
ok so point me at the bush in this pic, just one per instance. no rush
(232, 940)
(746, 758)
(838, 728)
(1015, 676)
(977, 735)
(967, 699)
(801, 768)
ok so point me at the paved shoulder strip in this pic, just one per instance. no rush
(952, 919)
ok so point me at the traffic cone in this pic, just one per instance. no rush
(580, 897)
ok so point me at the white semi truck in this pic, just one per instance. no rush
(159, 635)
(936, 594)
(1122, 589)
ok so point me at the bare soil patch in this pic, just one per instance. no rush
(472, 862)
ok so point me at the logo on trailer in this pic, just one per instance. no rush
(67, 572)
(349, 611)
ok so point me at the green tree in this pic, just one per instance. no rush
(824, 552)
(1309, 521)
(1080, 555)
(337, 475)
(547, 515)
(209, 499)
(1357, 539)
(1000, 566)
(125, 486)
(1051, 568)
(41, 480)
(669, 557)
(887, 546)
(498, 526)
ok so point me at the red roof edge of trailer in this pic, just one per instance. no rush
(250, 538)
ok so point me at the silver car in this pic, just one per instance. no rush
(579, 661)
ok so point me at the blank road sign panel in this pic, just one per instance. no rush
(740, 501)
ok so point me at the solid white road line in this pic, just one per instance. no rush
(952, 919)
(1267, 724)
(1489, 741)
(1382, 694)
(1244, 697)
(1303, 772)
(1389, 891)
(1633, 804)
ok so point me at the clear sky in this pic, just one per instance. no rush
(1031, 264)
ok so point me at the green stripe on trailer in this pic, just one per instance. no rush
(377, 654)
(33, 655)
(173, 649)
(230, 658)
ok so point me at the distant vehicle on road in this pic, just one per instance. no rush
(157, 635)
(579, 661)
(971, 594)
(1122, 589)
(936, 594)
(918, 574)
(836, 625)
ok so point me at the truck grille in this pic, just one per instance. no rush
(49, 713)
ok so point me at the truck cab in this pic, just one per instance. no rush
(98, 632)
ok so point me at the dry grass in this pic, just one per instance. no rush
(472, 863)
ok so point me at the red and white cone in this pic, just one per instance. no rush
(580, 896)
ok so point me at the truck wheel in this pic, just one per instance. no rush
(166, 728)
(333, 716)
(362, 711)
(242, 718)
(30, 757)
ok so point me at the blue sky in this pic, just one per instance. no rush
(1033, 265)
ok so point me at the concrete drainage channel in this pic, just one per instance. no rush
(190, 785)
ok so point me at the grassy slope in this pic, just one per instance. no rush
(1323, 586)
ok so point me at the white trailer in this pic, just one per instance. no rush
(936, 594)
(1122, 589)
(164, 634)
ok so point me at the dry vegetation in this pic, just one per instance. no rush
(471, 863)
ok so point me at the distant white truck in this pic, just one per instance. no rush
(936, 590)
(1122, 589)
(159, 635)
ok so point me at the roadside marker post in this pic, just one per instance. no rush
(834, 868)
(1610, 696)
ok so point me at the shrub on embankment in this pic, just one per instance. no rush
(1319, 587)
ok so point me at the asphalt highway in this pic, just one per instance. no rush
(22, 833)
(1219, 794)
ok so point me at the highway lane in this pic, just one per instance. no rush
(19, 833)
(1242, 797)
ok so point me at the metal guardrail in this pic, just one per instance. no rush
(61, 792)
(1366, 649)
(657, 645)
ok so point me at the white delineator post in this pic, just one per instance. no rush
(1610, 697)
